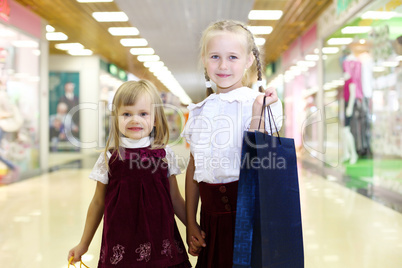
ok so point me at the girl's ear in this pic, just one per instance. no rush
(250, 60)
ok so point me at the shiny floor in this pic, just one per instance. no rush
(42, 218)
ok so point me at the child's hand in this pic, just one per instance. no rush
(195, 239)
(271, 97)
(77, 252)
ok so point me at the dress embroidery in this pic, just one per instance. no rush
(167, 248)
(145, 252)
(179, 249)
(102, 256)
(118, 252)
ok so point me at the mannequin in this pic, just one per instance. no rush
(352, 91)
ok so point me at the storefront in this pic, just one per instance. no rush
(20, 33)
(362, 75)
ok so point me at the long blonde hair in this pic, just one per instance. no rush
(127, 94)
(236, 27)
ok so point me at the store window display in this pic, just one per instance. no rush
(357, 93)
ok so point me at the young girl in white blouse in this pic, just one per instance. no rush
(136, 191)
(214, 131)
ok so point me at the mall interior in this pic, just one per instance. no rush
(62, 61)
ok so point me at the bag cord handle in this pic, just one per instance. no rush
(70, 262)
(270, 114)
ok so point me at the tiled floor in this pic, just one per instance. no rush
(43, 217)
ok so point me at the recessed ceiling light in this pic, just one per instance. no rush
(25, 43)
(312, 57)
(134, 42)
(378, 15)
(150, 64)
(259, 41)
(260, 29)
(120, 31)
(68, 46)
(265, 14)
(356, 29)
(340, 41)
(110, 16)
(56, 36)
(94, 1)
(80, 52)
(330, 50)
(148, 58)
(142, 51)
(50, 29)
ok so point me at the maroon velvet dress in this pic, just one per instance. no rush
(139, 227)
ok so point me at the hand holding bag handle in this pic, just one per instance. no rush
(81, 263)
(270, 114)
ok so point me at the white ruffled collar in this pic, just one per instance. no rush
(130, 143)
(240, 94)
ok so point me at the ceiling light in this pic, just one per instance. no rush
(25, 43)
(80, 52)
(148, 58)
(142, 51)
(134, 42)
(340, 41)
(50, 29)
(94, 1)
(356, 29)
(119, 31)
(330, 50)
(260, 29)
(312, 57)
(68, 46)
(259, 41)
(390, 63)
(7, 33)
(151, 64)
(56, 36)
(265, 14)
(378, 15)
(110, 16)
(378, 69)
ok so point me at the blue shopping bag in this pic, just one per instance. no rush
(268, 231)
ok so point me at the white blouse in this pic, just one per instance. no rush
(215, 130)
(100, 172)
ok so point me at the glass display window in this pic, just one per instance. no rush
(362, 71)
(19, 104)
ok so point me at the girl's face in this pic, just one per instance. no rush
(137, 121)
(226, 60)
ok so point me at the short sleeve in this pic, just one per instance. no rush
(99, 172)
(174, 168)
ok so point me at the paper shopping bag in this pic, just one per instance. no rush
(268, 231)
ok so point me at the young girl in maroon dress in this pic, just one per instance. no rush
(136, 191)
(215, 130)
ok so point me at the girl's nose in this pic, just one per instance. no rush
(223, 65)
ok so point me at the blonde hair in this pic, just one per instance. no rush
(239, 28)
(127, 94)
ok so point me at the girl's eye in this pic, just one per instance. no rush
(126, 114)
(144, 114)
(214, 57)
(232, 57)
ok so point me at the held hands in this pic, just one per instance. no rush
(195, 239)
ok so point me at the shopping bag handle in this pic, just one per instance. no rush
(81, 263)
(270, 114)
